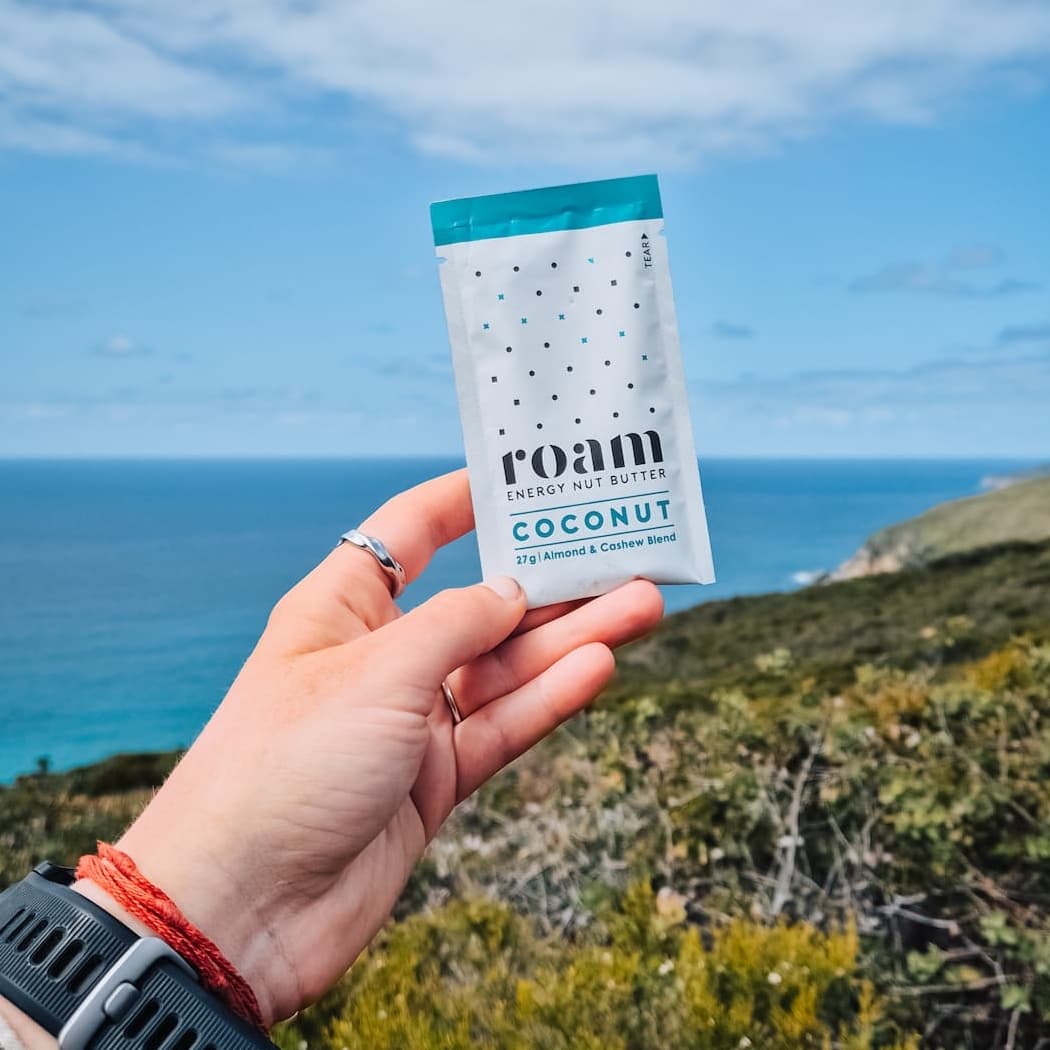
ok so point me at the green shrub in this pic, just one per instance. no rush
(853, 780)
(473, 974)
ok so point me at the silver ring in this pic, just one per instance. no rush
(391, 567)
(453, 707)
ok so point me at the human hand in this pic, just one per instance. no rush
(290, 827)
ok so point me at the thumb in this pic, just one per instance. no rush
(452, 628)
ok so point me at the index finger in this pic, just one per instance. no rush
(349, 591)
(415, 523)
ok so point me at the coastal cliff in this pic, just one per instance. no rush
(1015, 509)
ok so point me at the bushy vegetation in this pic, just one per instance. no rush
(60, 816)
(951, 611)
(809, 820)
(476, 974)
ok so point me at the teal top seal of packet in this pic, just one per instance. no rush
(583, 471)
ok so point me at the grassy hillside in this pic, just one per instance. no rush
(805, 820)
(952, 610)
(1016, 512)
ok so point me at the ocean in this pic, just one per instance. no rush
(131, 591)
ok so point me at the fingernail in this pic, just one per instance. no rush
(505, 586)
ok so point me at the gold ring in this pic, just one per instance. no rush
(450, 700)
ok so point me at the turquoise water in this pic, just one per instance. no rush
(132, 591)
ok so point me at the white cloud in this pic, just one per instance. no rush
(285, 404)
(974, 256)
(731, 330)
(37, 410)
(121, 346)
(934, 280)
(22, 131)
(954, 406)
(268, 157)
(664, 83)
(966, 385)
(1024, 333)
(950, 277)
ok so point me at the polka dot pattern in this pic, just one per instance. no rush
(569, 316)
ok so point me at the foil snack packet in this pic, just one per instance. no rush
(561, 319)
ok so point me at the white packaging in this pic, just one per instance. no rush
(561, 318)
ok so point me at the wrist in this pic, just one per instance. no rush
(86, 888)
(217, 911)
(27, 1031)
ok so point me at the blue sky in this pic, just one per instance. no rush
(214, 236)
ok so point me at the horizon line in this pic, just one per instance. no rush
(242, 457)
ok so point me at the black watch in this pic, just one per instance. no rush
(94, 984)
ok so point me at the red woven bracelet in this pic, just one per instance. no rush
(116, 873)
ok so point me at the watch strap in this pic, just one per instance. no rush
(93, 983)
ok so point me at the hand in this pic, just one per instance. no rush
(290, 827)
